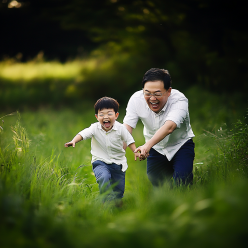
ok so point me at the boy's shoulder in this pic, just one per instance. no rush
(94, 126)
(118, 125)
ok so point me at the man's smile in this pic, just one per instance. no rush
(154, 105)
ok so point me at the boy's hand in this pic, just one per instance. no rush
(71, 143)
(136, 155)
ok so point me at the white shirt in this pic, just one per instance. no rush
(175, 109)
(108, 146)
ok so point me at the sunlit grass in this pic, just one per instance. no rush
(16, 71)
(40, 70)
(49, 196)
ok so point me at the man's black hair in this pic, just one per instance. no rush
(156, 74)
(106, 103)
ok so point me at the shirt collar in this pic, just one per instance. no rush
(99, 126)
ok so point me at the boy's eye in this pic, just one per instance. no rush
(102, 115)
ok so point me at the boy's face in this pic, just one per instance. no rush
(107, 118)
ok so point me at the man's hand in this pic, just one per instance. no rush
(71, 143)
(144, 151)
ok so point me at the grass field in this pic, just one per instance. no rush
(49, 197)
(48, 193)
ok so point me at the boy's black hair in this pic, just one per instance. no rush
(106, 103)
(156, 74)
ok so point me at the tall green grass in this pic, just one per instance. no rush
(49, 197)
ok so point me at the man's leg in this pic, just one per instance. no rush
(183, 164)
(159, 168)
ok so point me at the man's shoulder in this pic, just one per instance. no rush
(177, 95)
(138, 95)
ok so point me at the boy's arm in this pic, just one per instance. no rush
(130, 130)
(75, 140)
(133, 148)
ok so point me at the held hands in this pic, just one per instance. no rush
(137, 155)
(142, 152)
(71, 143)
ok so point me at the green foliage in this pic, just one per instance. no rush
(49, 198)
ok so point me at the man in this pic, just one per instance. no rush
(169, 147)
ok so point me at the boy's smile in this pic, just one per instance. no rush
(107, 118)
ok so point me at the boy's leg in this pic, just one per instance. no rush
(102, 175)
(183, 164)
(159, 168)
(117, 180)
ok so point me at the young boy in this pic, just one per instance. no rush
(108, 156)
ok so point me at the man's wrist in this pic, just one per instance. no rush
(148, 145)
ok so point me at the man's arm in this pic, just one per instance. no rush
(166, 129)
(130, 130)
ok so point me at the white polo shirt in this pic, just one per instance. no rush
(175, 109)
(108, 146)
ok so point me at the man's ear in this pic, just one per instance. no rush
(96, 117)
(116, 115)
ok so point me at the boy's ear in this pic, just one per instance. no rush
(96, 116)
(116, 115)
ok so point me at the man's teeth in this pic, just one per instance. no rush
(154, 102)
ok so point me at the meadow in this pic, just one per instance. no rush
(49, 197)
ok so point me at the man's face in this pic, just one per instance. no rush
(107, 118)
(157, 101)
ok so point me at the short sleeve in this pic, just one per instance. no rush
(178, 112)
(126, 136)
(87, 133)
(131, 118)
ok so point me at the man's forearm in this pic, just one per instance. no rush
(162, 132)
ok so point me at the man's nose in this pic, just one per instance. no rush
(153, 97)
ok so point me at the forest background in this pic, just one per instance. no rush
(57, 58)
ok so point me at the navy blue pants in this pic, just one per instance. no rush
(159, 169)
(110, 178)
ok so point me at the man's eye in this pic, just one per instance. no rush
(110, 114)
(101, 115)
